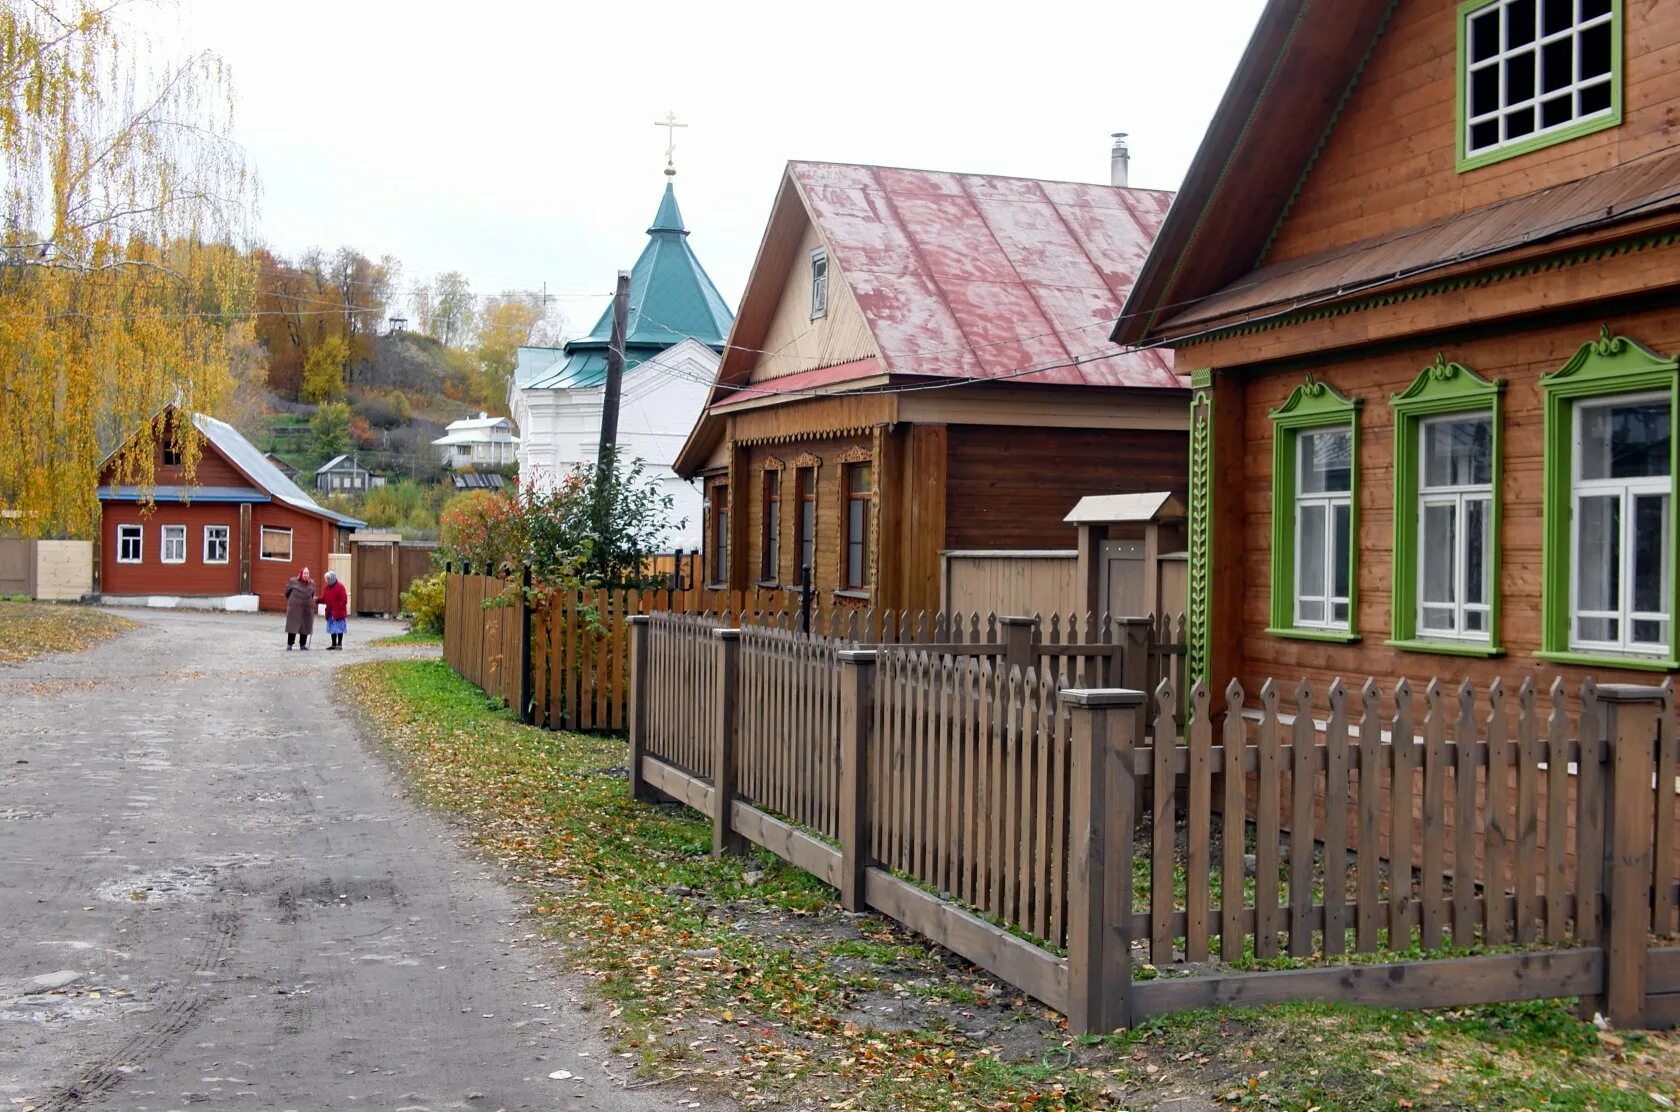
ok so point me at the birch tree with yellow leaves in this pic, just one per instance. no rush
(123, 282)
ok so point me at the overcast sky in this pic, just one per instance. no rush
(513, 140)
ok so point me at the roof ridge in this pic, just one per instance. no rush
(978, 174)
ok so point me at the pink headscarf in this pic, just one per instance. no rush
(303, 574)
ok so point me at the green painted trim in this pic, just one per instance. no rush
(1445, 648)
(1324, 136)
(1632, 663)
(1468, 162)
(1199, 624)
(1525, 269)
(1440, 388)
(1312, 405)
(1314, 635)
(1607, 365)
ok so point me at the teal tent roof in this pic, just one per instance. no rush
(672, 299)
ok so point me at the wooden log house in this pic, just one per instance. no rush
(920, 364)
(1423, 276)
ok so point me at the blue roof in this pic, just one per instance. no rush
(671, 299)
(182, 494)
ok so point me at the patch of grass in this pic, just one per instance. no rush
(743, 976)
(411, 637)
(32, 629)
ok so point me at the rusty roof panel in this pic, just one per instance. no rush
(1645, 187)
(973, 276)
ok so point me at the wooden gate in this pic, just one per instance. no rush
(375, 577)
(17, 567)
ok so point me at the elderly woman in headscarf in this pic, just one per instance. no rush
(337, 601)
(300, 610)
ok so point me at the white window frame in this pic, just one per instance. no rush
(1328, 501)
(1536, 47)
(227, 545)
(1458, 496)
(262, 555)
(138, 534)
(180, 532)
(1625, 490)
(819, 282)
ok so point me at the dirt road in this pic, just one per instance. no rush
(213, 893)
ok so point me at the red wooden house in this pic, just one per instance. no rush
(229, 537)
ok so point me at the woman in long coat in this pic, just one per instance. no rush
(300, 610)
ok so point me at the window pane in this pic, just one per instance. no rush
(1648, 632)
(1599, 527)
(1343, 555)
(1440, 543)
(858, 478)
(1309, 551)
(1598, 629)
(1475, 621)
(1484, 135)
(1438, 619)
(1650, 545)
(1558, 110)
(1312, 610)
(1326, 460)
(1557, 65)
(1484, 91)
(1593, 8)
(1628, 440)
(1519, 78)
(1595, 99)
(1458, 451)
(1555, 15)
(1478, 550)
(1519, 123)
(1519, 23)
(1595, 51)
(1484, 35)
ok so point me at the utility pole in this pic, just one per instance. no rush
(615, 375)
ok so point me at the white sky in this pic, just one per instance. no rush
(513, 140)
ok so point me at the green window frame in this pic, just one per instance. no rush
(1525, 63)
(1601, 369)
(1314, 406)
(1443, 389)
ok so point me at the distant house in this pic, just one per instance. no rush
(919, 365)
(343, 474)
(286, 469)
(477, 480)
(474, 442)
(677, 325)
(230, 539)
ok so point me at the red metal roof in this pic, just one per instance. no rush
(974, 276)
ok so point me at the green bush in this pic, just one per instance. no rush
(423, 602)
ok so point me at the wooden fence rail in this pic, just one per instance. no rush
(1062, 837)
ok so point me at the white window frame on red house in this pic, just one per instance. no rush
(137, 533)
(226, 535)
(168, 535)
(262, 549)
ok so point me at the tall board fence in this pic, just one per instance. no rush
(1072, 840)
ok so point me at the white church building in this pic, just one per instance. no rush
(677, 326)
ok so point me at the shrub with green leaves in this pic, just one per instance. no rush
(423, 602)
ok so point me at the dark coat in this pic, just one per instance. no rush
(300, 607)
(337, 601)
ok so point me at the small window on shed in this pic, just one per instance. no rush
(819, 283)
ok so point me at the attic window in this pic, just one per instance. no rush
(171, 454)
(1536, 72)
(819, 283)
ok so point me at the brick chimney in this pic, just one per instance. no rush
(1119, 161)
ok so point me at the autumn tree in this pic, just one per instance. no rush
(506, 322)
(324, 370)
(119, 290)
(454, 310)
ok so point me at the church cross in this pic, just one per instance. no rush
(670, 124)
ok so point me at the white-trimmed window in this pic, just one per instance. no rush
(174, 547)
(130, 543)
(1455, 527)
(1535, 68)
(1619, 525)
(819, 283)
(215, 544)
(1323, 527)
(276, 543)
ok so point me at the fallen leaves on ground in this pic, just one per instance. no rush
(32, 629)
(743, 976)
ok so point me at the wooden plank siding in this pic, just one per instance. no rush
(1010, 487)
(1244, 508)
(794, 341)
(1389, 163)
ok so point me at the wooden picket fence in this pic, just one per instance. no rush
(575, 666)
(1064, 837)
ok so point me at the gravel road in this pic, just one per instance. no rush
(213, 893)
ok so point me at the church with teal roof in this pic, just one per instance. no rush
(677, 326)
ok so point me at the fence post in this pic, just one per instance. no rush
(638, 706)
(1631, 713)
(1017, 637)
(527, 681)
(857, 720)
(728, 713)
(1101, 817)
